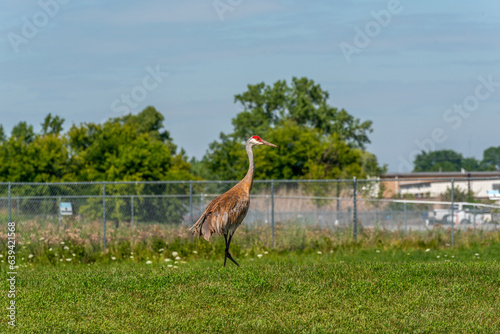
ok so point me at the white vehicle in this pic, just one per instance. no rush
(462, 214)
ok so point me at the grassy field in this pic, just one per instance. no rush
(372, 290)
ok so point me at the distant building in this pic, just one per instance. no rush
(484, 185)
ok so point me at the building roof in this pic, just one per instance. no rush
(430, 175)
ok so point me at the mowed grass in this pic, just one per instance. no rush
(447, 291)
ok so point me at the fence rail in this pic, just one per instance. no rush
(409, 204)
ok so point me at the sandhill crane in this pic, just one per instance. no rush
(225, 213)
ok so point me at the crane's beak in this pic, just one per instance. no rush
(268, 143)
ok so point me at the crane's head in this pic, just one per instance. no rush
(256, 140)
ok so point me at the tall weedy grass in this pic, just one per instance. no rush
(83, 243)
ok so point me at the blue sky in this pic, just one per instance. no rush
(410, 70)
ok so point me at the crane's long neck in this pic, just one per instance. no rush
(248, 179)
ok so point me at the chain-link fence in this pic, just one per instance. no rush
(98, 211)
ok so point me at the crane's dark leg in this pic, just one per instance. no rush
(225, 252)
(227, 255)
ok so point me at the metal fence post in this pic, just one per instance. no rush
(267, 209)
(354, 211)
(10, 215)
(59, 210)
(474, 218)
(404, 215)
(191, 202)
(272, 210)
(337, 220)
(452, 213)
(338, 205)
(132, 210)
(104, 215)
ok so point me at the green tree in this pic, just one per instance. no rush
(131, 148)
(434, 161)
(491, 159)
(303, 102)
(307, 153)
(459, 195)
(23, 132)
(52, 125)
(2, 134)
(315, 139)
(44, 159)
(115, 152)
(445, 161)
(149, 121)
(471, 164)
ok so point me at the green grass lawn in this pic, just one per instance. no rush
(446, 291)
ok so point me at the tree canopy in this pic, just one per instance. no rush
(52, 125)
(131, 148)
(315, 139)
(491, 158)
(304, 103)
(451, 161)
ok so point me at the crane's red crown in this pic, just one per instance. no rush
(257, 138)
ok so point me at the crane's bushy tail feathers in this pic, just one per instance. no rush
(206, 228)
(203, 227)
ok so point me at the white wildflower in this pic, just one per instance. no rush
(438, 256)
(177, 258)
(319, 252)
(477, 254)
(170, 266)
(377, 251)
(167, 260)
(1, 255)
(428, 250)
(195, 252)
(131, 256)
(74, 254)
(50, 249)
(66, 247)
(62, 242)
(30, 256)
(149, 262)
(161, 250)
(259, 255)
(69, 259)
(113, 258)
(266, 252)
(175, 254)
(41, 239)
